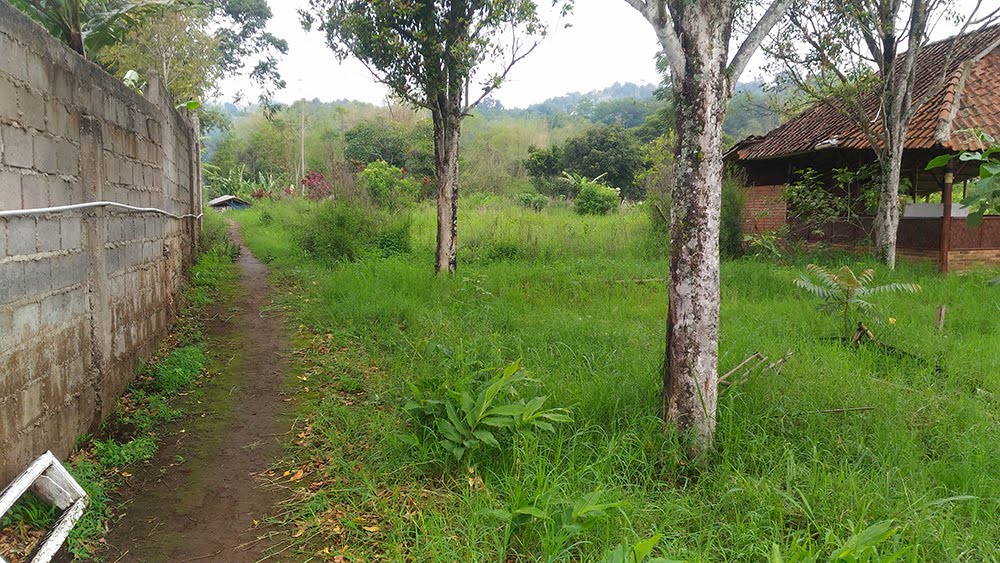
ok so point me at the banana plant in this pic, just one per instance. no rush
(845, 293)
(87, 26)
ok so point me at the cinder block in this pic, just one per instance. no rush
(35, 191)
(69, 270)
(32, 404)
(72, 233)
(12, 58)
(45, 154)
(11, 282)
(32, 108)
(26, 322)
(37, 276)
(60, 191)
(47, 235)
(39, 70)
(10, 190)
(16, 146)
(20, 235)
(67, 158)
(8, 99)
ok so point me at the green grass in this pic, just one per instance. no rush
(582, 302)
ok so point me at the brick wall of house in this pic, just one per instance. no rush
(765, 209)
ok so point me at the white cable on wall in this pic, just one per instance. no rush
(76, 206)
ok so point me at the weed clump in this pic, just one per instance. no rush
(347, 231)
(179, 369)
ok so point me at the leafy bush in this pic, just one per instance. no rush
(595, 198)
(465, 419)
(317, 188)
(531, 200)
(388, 186)
(336, 231)
(611, 151)
(345, 231)
(179, 369)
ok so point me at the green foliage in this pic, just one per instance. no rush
(862, 547)
(30, 510)
(847, 294)
(178, 369)
(84, 540)
(594, 198)
(410, 148)
(111, 453)
(531, 200)
(609, 151)
(816, 200)
(89, 26)
(583, 303)
(388, 186)
(420, 53)
(466, 419)
(336, 231)
(178, 40)
(766, 244)
(733, 202)
(984, 197)
(639, 553)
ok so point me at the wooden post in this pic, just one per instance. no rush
(949, 178)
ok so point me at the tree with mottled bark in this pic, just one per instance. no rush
(428, 53)
(695, 36)
(860, 57)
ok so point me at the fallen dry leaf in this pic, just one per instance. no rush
(298, 475)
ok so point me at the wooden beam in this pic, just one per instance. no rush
(949, 179)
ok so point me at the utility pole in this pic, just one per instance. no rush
(302, 139)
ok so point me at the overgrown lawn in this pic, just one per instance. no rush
(582, 302)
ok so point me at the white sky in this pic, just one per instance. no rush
(608, 42)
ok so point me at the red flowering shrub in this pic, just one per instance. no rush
(316, 185)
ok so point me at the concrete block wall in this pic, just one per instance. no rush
(84, 295)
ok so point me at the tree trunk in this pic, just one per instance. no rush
(690, 378)
(447, 131)
(887, 216)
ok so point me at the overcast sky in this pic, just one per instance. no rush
(608, 42)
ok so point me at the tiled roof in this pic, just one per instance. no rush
(970, 98)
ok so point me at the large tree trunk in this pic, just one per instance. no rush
(447, 131)
(690, 378)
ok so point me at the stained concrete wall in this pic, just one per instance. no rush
(84, 295)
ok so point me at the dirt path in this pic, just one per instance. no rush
(203, 507)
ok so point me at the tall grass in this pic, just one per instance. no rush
(582, 303)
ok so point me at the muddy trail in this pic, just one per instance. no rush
(201, 498)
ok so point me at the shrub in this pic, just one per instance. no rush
(595, 198)
(388, 186)
(733, 201)
(531, 200)
(465, 419)
(317, 188)
(346, 231)
(336, 231)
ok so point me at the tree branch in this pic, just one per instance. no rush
(752, 42)
(657, 14)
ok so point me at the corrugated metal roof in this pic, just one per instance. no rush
(969, 98)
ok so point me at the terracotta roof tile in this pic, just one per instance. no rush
(969, 98)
